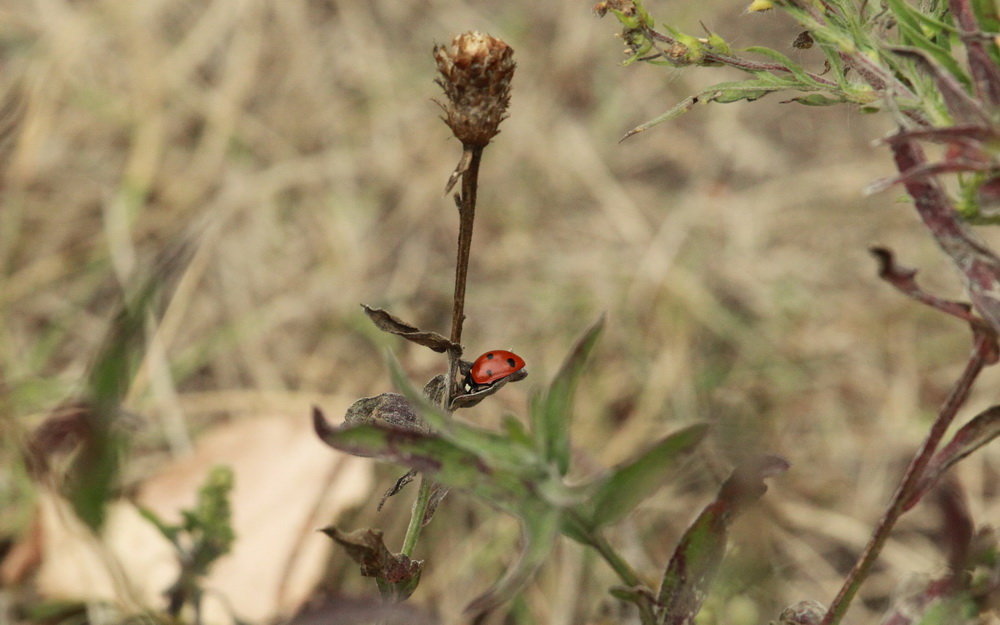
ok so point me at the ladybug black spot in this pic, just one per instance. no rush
(511, 363)
(489, 356)
(489, 373)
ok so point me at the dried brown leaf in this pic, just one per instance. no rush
(366, 547)
(468, 400)
(392, 324)
(389, 409)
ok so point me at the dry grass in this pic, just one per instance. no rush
(300, 141)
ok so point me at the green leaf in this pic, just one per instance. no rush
(446, 462)
(516, 432)
(632, 482)
(551, 415)
(96, 466)
(794, 68)
(911, 22)
(928, 25)
(692, 568)
(677, 110)
(169, 531)
(734, 93)
(540, 528)
(817, 99)
(718, 44)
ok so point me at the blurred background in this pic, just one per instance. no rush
(294, 147)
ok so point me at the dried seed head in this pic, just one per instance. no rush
(804, 41)
(475, 74)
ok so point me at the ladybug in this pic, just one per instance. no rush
(492, 366)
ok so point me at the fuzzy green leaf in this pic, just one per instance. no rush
(541, 528)
(817, 99)
(749, 90)
(724, 93)
(794, 68)
(913, 24)
(96, 466)
(677, 110)
(446, 462)
(551, 415)
(632, 482)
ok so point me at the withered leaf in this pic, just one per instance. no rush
(438, 493)
(468, 400)
(392, 324)
(803, 41)
(397, 487)
(434, 389)
(365, 546)
(389, 409)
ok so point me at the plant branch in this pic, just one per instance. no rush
(466, 215)
(980, 357)
(417, 517)
(468, 168)
(979, 265)
(737, 62)
(466, 201)
(643, 599)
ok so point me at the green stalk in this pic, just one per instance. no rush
(417, 517)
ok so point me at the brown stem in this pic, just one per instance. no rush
(959, 393)
(468, 168)
(466, 215)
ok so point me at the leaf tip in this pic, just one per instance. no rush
(320, 425)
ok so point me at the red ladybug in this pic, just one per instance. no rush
(492, 366)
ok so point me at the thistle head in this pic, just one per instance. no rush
(475, 73)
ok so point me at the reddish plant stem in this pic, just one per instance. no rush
(959, 393)
(979, 265)
(469, 169)
(984, 71)
(466, 218)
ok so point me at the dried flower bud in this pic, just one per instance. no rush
(626, 7)
(475, 74)
(806, 612)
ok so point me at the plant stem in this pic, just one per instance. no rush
(466, 201)
(417, 517)
(624, 571)
(466, 216)
(469, 167)
(738, 62)
(959, 393)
